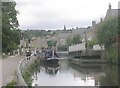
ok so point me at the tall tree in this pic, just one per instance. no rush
(107, 32)
(10, 31)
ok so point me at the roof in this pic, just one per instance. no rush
(111, 13)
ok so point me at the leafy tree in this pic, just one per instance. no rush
(69, 41)
(91, 43)
(62, 48)
(10, 31)
(107, 35)
(51, 43)
(35, 33)
(107, 32)
(75, 40)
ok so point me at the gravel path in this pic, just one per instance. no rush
(9, 67)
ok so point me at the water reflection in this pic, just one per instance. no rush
(51, 69)
(68, 74)
(87, 73)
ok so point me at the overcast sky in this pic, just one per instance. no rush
(53, 14)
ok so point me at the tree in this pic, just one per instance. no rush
(69, 41)
(75, 40)
(107, 35)
(62, 48)
(107, 32)
(10, 31)
(51, 43)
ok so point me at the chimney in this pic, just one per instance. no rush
(64, 27)
(93, 23)
(109, 6)
(76, 27)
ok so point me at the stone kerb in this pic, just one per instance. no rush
(23, 65)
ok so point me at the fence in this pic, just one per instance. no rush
(77, 47)
(81, 47)
(23, 65)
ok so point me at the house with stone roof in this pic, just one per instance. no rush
(111, 13)
(90, 33)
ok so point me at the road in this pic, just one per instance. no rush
(9, 67)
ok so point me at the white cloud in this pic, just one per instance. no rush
(54, 13)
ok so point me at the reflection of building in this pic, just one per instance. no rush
(88, 73)
(64, 66)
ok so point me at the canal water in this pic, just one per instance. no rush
(65, 73)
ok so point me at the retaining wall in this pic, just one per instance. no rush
(23, 65)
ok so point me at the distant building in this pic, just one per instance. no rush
(63, 37)
(111, 13)
(91, 30)
(39, 43)
(64, 27)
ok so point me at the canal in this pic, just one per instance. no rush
(65, 73)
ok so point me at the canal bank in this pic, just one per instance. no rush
(23, 72)
(87, 62)
(68, 74)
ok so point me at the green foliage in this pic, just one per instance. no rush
(10, 31)
(91, 43)
(107, 32)
(111, 78)
(75, 40)
(29, 72)
(27, 77)
(51, 43)
(28, 34)
(11, 84)
(69, 41)
(112, 55)
(62, 48)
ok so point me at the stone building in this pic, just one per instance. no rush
(39, 43)
(90, 32)
(111, 12)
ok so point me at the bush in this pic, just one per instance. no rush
(62, 48)
(11, 84)
(91, 43)
(112, 55)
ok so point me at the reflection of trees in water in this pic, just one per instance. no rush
(86, 69)
(87, 72)
(111, 78)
